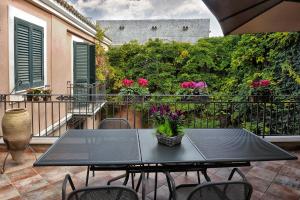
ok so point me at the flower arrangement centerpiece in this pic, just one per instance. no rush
(131, 88)
(194, 91)
(261, 91)
(169, 124)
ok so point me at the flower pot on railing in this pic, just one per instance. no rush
(260, 91)
(16, 127)
(46, 94)
(194, 91)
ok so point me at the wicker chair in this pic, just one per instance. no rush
(227, 190)
(99, 193)
(112, 123)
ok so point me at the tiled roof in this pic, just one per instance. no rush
(71, 9)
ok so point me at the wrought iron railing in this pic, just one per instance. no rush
(54, 115)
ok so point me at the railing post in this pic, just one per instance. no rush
(264, 120)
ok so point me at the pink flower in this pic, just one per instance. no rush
(260, 83)
(143, 82)
(264, 83)
(255, 84)
(200, 84)
(127, 82)
(187, 84)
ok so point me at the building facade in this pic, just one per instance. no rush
(44, 43)
(183, 30)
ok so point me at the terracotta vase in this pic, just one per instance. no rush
(16, 127)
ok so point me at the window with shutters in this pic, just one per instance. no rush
(84, 69)
(29, 55)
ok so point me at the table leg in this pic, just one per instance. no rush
(87, 176)
(155, 186)
(204, 172)
(143, 186)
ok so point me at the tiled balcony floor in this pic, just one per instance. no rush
(271, 180)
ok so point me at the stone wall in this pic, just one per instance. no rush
(184, 30)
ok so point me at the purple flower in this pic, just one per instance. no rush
(164, 109)
(153, 110)
(200, 84)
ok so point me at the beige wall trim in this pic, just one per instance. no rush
(56, 9)
(106, 41)
(78, 35)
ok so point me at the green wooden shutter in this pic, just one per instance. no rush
(81, 62)
(22, 54)
(81, 72)
(37, 61)
(29, 54)
(92, 60)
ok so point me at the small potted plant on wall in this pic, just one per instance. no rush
(46, 94)
(29, 94)
(194, 91)
(36, 94)
(169, 125)
(261, 91)
(134, 90)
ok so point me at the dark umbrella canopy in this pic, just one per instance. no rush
(253, 16)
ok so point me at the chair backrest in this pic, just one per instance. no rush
(114, 123)
(104, 193)
(230, 190)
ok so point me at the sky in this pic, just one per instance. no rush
(147, 9)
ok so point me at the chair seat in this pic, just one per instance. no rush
(182, 193)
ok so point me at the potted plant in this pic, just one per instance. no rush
(261, 91)
(46, 94)
(195, 91)
(169, 125)
(29, 94)
(134, 89)
(36, 94)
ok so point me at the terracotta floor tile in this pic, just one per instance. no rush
(268, 196)
(283, 192)
(8, 192)
(256, 195)
(259, 172)
(21, 174)
(258, 184)
(292, 182)
(30, 184)
(290, 171)
(273, 166)
(4, 180)
(48, 192)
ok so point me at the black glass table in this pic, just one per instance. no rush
(138, 150)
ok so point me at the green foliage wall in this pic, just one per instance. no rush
(228, 64)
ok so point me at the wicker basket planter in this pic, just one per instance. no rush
(169, 141)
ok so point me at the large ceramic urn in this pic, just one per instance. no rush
(16, 128)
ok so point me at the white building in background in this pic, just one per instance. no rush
(183, 30)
